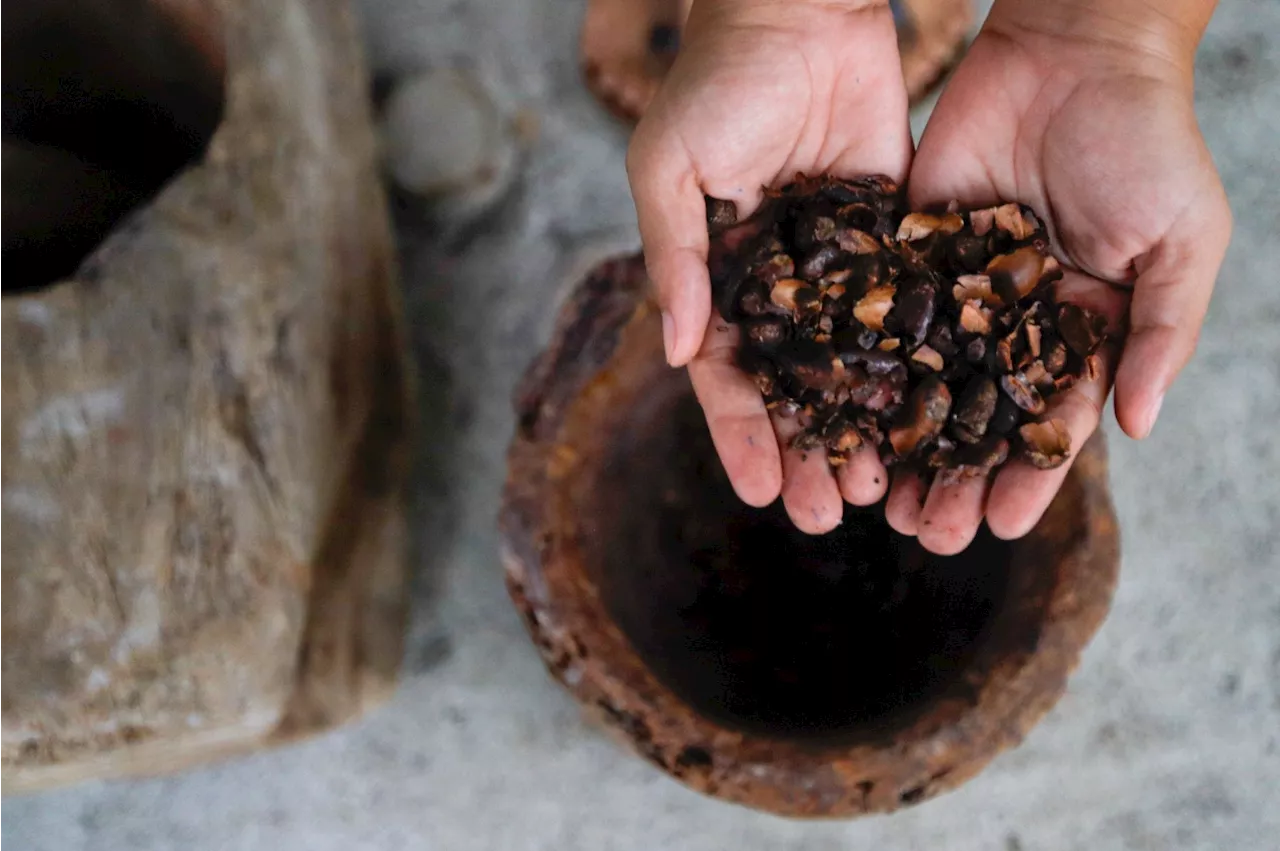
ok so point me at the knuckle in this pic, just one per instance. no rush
(638, 154)
(1153, 326)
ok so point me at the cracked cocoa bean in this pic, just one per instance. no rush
(1006, 416)
(941, 340)
(857, 241)
(753, 298)
(874, 361)
(929, 359)
(721, 214)
(913, 308)
(818, 261)
(977, 460)
(975, 410)
(1055, 357)
(967, 253)
(796, 296)
(1082, 330)
(1045, 444)
(873, 307)
(812, 363)
(1015, 275)
(1023, 393)
(774, 269)
(926, 415)
(766, 331)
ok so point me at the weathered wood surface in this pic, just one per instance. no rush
(204, 436)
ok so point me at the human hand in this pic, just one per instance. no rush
(1088, 119)
(762, 89)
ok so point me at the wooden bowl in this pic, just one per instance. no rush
(826, 676)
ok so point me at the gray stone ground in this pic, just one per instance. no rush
(1168, 738)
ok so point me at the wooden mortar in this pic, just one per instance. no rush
(822, 676)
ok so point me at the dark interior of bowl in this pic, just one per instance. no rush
(768, 630)
(103, 102)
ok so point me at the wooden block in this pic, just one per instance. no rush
(205, 434)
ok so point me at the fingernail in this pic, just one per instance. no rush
(1154, 414)
(669, 335)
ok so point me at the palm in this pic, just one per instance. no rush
(1110, 159)
(756, 104)
(748, 104)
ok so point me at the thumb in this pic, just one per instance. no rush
(673, 229)
(1170, 299)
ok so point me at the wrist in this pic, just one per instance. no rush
(1156, 36)
(780, 18)
(779, 9)
(838, 5)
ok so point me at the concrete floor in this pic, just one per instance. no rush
(1168, 738)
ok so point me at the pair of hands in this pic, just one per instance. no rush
(1083, 113)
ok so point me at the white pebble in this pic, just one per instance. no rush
(444, 139)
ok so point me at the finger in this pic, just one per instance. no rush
(809, 489)
(902, 511)
(671, 213)
(1021, 493)
(951, 515)
(1170, 299)
(737, 418)
(863, 479)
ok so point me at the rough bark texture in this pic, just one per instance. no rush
(204, 436)
(614, 617)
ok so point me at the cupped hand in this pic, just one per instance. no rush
(1097, 133)
(762, 89)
